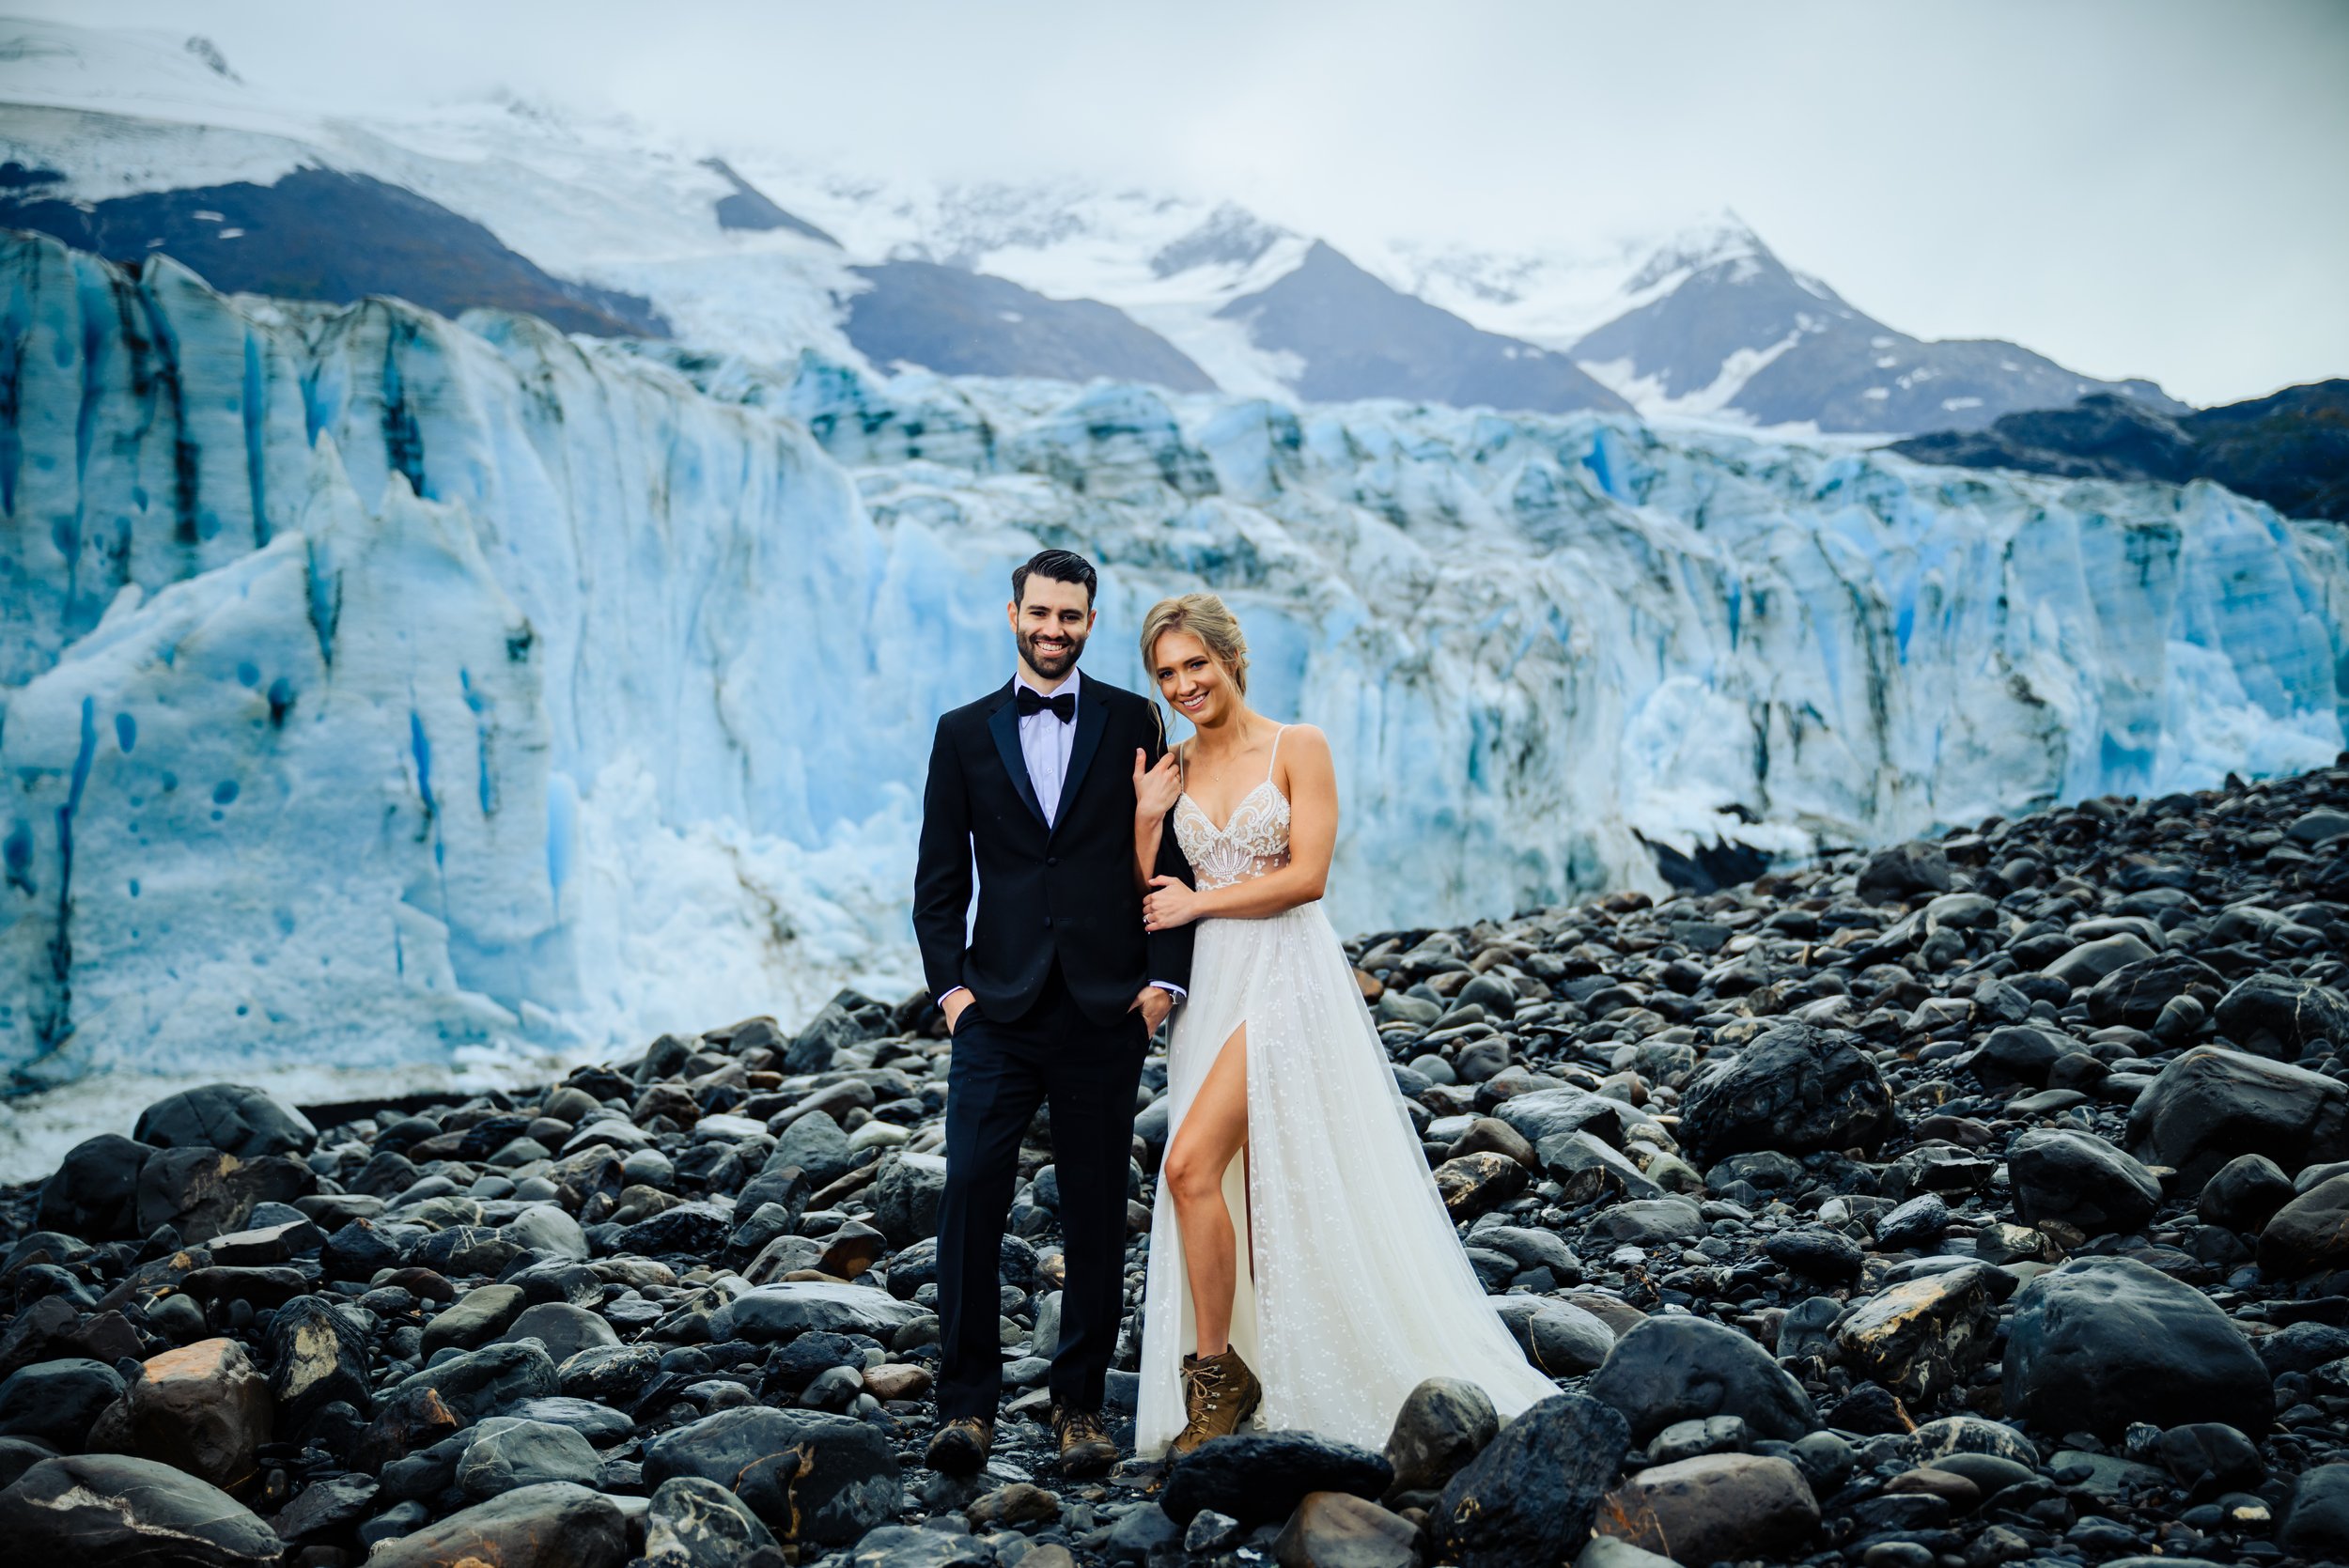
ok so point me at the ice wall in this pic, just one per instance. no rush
(388, 695)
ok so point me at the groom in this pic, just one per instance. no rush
(1053, 996)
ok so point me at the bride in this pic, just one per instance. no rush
(1301, 1258)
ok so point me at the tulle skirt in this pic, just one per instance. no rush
(1352, 1285)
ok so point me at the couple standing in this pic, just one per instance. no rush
(1300, 1260)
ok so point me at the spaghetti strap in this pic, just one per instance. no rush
(1273, 760)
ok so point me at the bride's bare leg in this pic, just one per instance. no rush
(1214, 1129)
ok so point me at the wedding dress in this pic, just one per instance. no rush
(1352, 1287)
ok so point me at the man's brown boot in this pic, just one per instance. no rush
(961, 1445)
(1085, 1448)
(1219, 1393)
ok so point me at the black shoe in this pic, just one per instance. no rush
(961, 1445)
(1084, 1443)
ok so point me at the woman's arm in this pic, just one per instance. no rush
(1310, 782)
(1156, 790)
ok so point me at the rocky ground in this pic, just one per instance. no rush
(1975, 1201)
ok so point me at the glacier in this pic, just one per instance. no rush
(393, 700)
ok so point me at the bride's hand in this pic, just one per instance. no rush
(1168, 904)
(1155, 789)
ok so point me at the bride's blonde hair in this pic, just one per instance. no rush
(1206, 617)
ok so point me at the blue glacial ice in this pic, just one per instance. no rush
(390, 700)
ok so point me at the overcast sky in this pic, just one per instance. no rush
(2135, 187)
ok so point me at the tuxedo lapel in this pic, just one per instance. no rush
(1093, 717)
(1003, 725)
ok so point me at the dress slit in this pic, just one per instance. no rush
(1238, 1206)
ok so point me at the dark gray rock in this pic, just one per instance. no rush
(202, 1193)
(1258, 1477)
(1816, 1254)
(2022, 1054)
(1558, 1336)
(318, 1354)
(229, 1117)
(2080, 1180)
(2100, 1343)
(2135, 993)
(906, 1196)
(507, 1453)
(1717, 1507)
(2210, 1105)
(1672, 1369)
(564, 1330)
(553, 1525)
(2301, 1347)
(1530, 1497)
(2282, 1013)
(791, 1308)
(816, 1145)
(94, 1193)
(1918, 1222)
(1444, 1424)
(1902, 871)
(611, 1374)
(696, 1523)
(1797, 1089)
(2309, 1234)
(485, 1382)
(1649, 1222)
(126, 1512)
(2243, 1192)
(58, 1402)
(325, 1508)
(2315, 1522)
(837, 1473)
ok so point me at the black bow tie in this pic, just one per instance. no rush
(1062, 705)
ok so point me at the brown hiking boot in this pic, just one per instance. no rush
(1085, 1448)
(1219, 1395)
(961, 1445)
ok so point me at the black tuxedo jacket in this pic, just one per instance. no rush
(1066, 890)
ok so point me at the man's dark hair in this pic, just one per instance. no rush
(1060, 566)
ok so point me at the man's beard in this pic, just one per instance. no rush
(1053, 666)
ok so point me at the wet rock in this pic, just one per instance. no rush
(1795, 1089)
(1559, 1336)
(2309, 1234)
(115, 1509)
(2092, 960)
(2080, 1180)
(1337, 1529)
(1259, 1477)
(611, 1374)
(2282, 1013)
(201, 1193)
(509, 1453)
(1901, 871)
(326, 1509)
(2243, 1194)
(2211, 1105)
(485, 1382)
(1588, 1168)
(696, 1523)
(2100, 1343)
(2315, 1522)
(1926, 1337)
(1722, 1506)
(838, 1474)
(1918, 1222)
(1672, 1369)
(2209, 1457)
(204, 1409)
(1650, 1220)
(555, 1525)
(906, 1196)
(897, 1547)
(2135, 993)
(785, 1311)
(1532, 1495)
(816, 1145)
(564, 1330)
(1816, 1254)
(1444, 1424)
(1478, 1183)
(94, 1193)
(1689, 1439)
(474, 1318)
(57, 1402)
(230, 1117)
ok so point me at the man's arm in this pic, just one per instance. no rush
(942, 873)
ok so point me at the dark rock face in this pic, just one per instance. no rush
(2315, 1523)
(1531, 1496)
(95, 1192)
(837, 1475)
(1714, 1508)
(2284, 1013)
(2211, 1105)
(1258, 1477)
(58, 1402)
(2082, 1180)
(1797, 1089)
(693, 1522)
(1675, 1369)
(2135, 994)
(556, 1524)
(1903, 870)
(906, 1196)
(2243, 1194)
(202, 1193)
(2310, 1232)
(112, 1508)
(2100, 1343)
(484, 1382)
(229, 1117)
(1442, 1425)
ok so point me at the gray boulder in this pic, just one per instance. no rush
(1674, 1369)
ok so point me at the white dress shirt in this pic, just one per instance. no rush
(1045, 743)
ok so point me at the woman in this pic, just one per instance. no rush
(1299, 1238)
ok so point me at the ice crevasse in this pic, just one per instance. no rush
(388, 697)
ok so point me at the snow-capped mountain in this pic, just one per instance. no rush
(131, 142)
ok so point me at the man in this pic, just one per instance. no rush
(1054, 997)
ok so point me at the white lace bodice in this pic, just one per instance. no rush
(1254, 840)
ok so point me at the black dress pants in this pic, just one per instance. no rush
(999, 1074)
